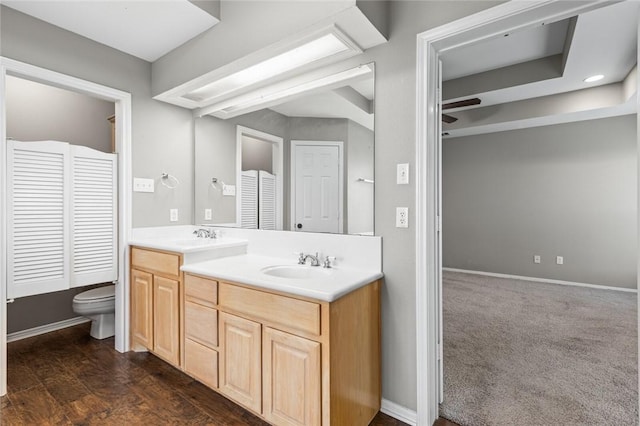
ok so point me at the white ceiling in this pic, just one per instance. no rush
(145, 29)
(604, 41)
(330, 104)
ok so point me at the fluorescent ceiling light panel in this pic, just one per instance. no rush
(276, 93)
(315, 50)
(594, 78)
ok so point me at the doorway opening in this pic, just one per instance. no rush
(500, 20)
(122, 139)
(259, 177)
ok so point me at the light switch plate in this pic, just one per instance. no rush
(142, 185)
(173, 215)
(403, 174)
(229, 190)
(207, 214)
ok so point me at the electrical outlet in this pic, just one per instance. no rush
(207, 214)
(142, 185)
(402, 217)
(536, 258)
(173, 215)
(559, 260)
(402, 171)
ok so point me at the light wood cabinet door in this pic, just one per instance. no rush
(166, 319)
(240, 360)
(141, 310)
(291, 379)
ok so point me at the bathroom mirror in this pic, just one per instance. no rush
(304, 163)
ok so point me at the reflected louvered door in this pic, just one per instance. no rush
(37, 211)
(249, 199)
(266, 200)
(93, 217)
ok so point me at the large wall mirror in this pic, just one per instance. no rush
(302, 163)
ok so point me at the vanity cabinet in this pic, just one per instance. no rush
(156, 303)
(291, 360)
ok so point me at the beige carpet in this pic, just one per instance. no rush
(528, 353)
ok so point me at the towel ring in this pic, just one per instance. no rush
(214, 182)
(167, 180)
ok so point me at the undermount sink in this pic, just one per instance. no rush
(296, 271)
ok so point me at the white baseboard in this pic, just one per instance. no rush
(399, 412)
(47, 328)
(542, 280)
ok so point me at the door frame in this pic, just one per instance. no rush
(278, 169)
(122, 102)
(292, 174)
(500, 19)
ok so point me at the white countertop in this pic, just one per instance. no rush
(326, 284)
(187, 244)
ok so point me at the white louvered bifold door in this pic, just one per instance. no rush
(38, 207)
(249, 199)
(93, 217)
(267, 200)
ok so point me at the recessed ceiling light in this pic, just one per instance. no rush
(594, 78)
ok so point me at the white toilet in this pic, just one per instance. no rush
(98, 304)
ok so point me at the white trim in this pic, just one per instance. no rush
(123, 148)
(278, 170)
(499, 19)
(541, 280)
(47, 328)
(399, 412)
(292, 181)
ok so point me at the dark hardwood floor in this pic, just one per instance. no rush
(68, 378)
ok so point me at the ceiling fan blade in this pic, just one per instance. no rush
(462, 103)
(448, 118)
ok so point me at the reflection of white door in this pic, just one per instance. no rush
(317, 186)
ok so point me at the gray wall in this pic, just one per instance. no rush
(39, 112)
(360, 154)
(215, 149)
(162, 134)
(257, 154)
(566, 190)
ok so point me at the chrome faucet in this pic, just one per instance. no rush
(206, 233)
(302, 259)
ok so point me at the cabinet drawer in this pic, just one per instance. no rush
(154, 261)
(290, 313)
(201, 362)
(201, 324)
(201, 290)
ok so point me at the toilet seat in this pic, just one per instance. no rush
(96, 295)
(101, 300)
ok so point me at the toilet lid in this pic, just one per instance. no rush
(105, 292)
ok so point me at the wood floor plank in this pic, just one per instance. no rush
(87, 409)
(20, 377)
(65, 388)
(36, 406)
